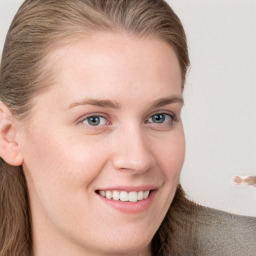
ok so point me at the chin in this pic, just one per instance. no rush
(124, 244)
(128, 248)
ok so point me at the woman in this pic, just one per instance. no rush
(92, 142)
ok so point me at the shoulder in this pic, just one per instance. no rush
(221, 233)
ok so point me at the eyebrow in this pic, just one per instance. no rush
(166, 101)
(113, 104)
(96, 102)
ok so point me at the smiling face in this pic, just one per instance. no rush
(109, 127)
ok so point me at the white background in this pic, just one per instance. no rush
(220, 109)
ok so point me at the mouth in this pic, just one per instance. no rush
(128, 200)
(124, 196)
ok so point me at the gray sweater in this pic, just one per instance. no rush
(224, 234)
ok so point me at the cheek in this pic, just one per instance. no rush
(171, 155)
(59, 174)
(62, 162)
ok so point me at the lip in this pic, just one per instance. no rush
(130, 207)
(129, 188)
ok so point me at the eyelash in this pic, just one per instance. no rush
(171, 116)
(164, 115)
(95, 117)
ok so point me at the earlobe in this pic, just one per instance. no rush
(9, 148)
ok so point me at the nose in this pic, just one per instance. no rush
(132, 152)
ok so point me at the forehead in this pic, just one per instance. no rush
(105, 49)
(110, 64)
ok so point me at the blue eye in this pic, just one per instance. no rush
(160, 118)
(95, 121)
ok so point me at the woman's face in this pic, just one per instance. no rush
(109, 125)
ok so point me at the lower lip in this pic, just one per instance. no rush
(130, 207)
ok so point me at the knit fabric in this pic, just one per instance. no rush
(224, 234)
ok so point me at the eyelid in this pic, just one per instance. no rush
(84, 117)
(98, 118)
(103, 115)
(163, 112)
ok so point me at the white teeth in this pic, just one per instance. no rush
(102, 193)
(133, 196)
(140, 195)
(116, 195)
(145, 194)
(125, 196)
(108, 195)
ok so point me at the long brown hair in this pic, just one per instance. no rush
(37, 28)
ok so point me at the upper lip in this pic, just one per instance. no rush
(129, 188)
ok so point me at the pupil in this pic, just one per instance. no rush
(159, 118)
(94, 120)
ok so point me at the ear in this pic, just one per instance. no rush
(9, 148)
